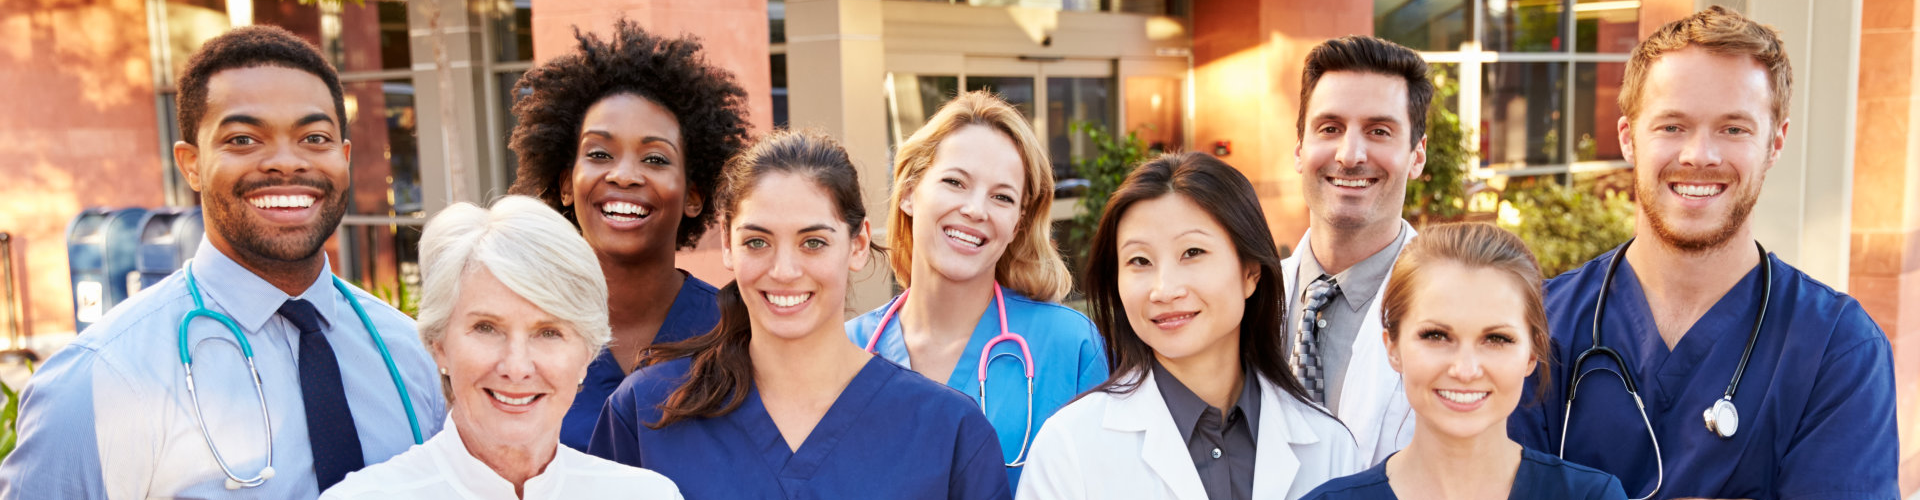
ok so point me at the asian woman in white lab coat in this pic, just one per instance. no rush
(1183, 282)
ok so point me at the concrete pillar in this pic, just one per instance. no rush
(838, 87)
(1805, 208)
(448, 106)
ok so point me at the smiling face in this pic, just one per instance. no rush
(1182, 284)
(271, 166)
(1356, 155)
(628, 187)
(1464, 356)
(1701, 147)
(512, 368)
(791, 254)
(967, 205)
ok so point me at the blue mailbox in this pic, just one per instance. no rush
(101, 244)
(168, 237)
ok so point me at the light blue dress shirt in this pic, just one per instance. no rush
(109, 416)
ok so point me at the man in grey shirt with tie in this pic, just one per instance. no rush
(1362, 130)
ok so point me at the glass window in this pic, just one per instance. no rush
(1430, 25)
(513, 30)
(779, 92)
(386, 160)
(1524, 26)
(1523, 109)
(370, 36)
(1070, 101)
(777, 21)
(1016, 90)
(917, 97)
(1154, 112)
(1606, 27)
(508, 97)
(1596, 112)
(384, 260)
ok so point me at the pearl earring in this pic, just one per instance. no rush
(443, 370)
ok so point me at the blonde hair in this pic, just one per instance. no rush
(1476, 245)
(1031, 264)
(1719, 31)
(530, 248)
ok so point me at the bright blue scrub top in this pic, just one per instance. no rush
(891, 434)
(1816, 403)
(1540, 476)
(1070, 359)
(693, 312)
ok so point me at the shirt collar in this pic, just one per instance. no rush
(249, 299)
(450, 449)
(1358, 284)
(1186, 407)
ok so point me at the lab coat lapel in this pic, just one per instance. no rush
(1161, 448)
(1281, 428)
(1372, 391)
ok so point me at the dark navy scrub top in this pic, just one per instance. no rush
(1540, 476)
(1816, 403)
(693, 312)
(891, 434)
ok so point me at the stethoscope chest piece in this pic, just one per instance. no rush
(1723, 418)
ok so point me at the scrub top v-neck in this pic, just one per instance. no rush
(891, 434)
(693, 313)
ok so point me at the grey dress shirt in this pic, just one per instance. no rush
(1221, 448)
(1358, 287)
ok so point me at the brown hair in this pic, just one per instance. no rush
(1223, 192)
(1476, 245)
(1721, 32)
(721, 374)
(1031, 264)
(1367, 54)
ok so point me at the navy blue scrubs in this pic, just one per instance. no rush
(891, 434)
(693, 312)
(1540, 476)
(1816, 402)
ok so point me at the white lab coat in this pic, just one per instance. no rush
(1373, 401)
(1126, 446)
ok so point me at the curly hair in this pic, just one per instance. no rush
(710, 106)
(247, 47)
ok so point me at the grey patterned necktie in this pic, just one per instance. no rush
(1306, 346)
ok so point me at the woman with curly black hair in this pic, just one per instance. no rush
(626, 137)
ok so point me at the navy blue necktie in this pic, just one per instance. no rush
(330, 431)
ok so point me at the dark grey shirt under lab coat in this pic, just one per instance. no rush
(1221, 447)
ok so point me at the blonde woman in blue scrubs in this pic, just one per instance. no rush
(969, 242)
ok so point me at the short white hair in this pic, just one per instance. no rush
(530, 248)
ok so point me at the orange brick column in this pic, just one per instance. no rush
(1247, 57)
(1885, 265)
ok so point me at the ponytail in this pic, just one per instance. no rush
(722, 371)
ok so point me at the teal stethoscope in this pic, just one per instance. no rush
(986, 356)
(234, 481)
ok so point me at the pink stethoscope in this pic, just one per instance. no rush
(986, 356)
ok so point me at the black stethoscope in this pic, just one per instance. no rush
(1722, 419)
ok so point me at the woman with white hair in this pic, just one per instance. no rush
(513, 309)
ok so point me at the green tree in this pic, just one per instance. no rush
(1114, 157)
(1438, 195)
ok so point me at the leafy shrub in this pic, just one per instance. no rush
(1566, 227)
